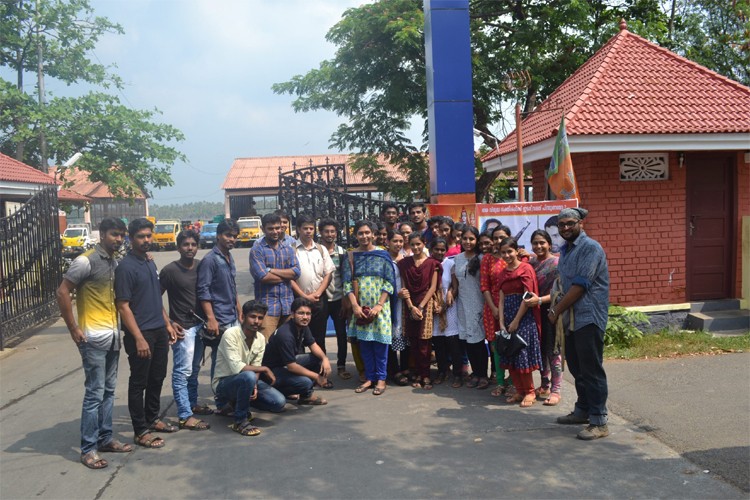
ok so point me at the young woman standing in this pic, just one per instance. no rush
(420, 276)
(398, 356)
(445, 338)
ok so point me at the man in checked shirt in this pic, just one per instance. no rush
(273, 266)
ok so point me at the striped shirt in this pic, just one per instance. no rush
(278, 297)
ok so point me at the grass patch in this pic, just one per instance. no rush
(669, 344)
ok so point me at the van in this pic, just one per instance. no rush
(165, 235)
(249, 231)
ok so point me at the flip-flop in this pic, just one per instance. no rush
(362, 388)
(553, 399)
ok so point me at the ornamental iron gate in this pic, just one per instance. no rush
(30, 265)
(321, 191)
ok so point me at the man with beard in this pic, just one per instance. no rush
(91, 276)
(584, 277)
(389, 216)
(179, 279)
(148, 334)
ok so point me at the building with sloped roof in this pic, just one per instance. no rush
(661, 151)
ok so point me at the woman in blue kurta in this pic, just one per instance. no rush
(369, 282)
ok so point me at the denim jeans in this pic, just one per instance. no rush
(375, 356)
(237, 389)
(339, 324)
(146, 378)
(100, 370)
(584, 350)
(288, 383)
(186, 361)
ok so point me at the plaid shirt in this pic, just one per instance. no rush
(278, 297)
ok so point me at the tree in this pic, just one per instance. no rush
(120, 145)
(376, 80)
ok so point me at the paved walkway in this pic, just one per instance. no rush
(453, 443)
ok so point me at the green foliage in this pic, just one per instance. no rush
(622, 326)
(197, 210)
(122, 147)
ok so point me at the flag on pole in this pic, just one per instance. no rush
(560, 176)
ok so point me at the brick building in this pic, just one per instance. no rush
(660, 148)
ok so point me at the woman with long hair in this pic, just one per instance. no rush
(454, 242)
(406, 228)
(398, 356)
(492, 266)
(445, 338)
(420, 275)
(369, 282)
(466, 281)
(545, 267)
(517, 318)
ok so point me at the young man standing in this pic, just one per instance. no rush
(148, 334)
(217, 286)
(179, 279)
(96, 334)
(417, 214)
(316, 270)
(389, 216)
(296, 373)
(338, 305)
(273, 266)
(237, 380)
(584, 276)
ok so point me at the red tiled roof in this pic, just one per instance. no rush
(632, 86)
(15, 171)
(263, 172)
(68, 195)
(78, 182)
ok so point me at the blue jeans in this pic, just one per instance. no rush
(584, 353)
(375, 356)
(215, 346)
(288, 383)
(186, 354)
(238, 389)
(100, 369)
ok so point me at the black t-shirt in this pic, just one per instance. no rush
(137, 282)
(179, 282)
(285, 344)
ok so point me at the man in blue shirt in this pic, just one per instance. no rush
(584, 277)
(148, 334)
(217, 287)
(273, 265)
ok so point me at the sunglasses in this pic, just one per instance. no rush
(566, 225)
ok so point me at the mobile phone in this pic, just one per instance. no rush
(526, 295)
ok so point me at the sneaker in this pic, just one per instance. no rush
(593, 432)
(572, 419)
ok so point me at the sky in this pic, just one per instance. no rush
(208, 66)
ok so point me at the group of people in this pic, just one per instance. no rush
(407, 291)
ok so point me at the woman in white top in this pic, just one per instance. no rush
(445, 340)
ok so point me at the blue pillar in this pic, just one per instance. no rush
(449, 101)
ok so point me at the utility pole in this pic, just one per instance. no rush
(519, 81)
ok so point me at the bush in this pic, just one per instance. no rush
(622, 326)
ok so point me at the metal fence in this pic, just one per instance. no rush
(321, 191)
(30, 265)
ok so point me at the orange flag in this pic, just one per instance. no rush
(561, 178)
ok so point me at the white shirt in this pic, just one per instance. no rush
(314, 264)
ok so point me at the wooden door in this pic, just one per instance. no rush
(709, 225)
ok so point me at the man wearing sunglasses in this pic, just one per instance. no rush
(584, 277)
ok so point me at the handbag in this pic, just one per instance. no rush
(509, 345)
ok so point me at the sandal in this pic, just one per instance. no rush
(148, 440)
(473, 382)
(115, 446)
(553, 399)
(417, 384)
(92, 460)
(162, 426)
(225, 411)
(364, 387)
(202, 410)
(343, 374)
(457, 382)
(245, 428)
(498, 391)
(198, 425)
(483, 384)
(327, 385)
(513, 399)
(377, 391)
(312, 401)
(292, 397)
(427, 384)
(542, 393)
(528, 401)
(401, 379)
(440, 378)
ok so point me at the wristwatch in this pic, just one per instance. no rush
(552, 311)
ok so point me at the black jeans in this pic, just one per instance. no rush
(146, 374)
(339, 324)
(478, 358)
(448, 350)
(319, 322)
(584, 352)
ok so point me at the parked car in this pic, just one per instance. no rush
(208, 235)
